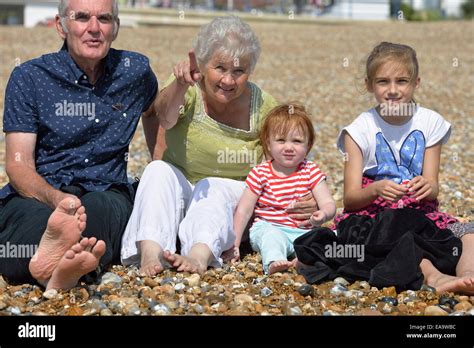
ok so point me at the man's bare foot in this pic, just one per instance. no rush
(82, 258)
(151, 262)
(280, 265)
(64, 229)
(459, 285)
(184, 263)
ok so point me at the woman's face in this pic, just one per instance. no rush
(225, 78)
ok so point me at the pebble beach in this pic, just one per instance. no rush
(322, 66)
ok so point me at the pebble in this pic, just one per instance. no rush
(265, 292)
(435, 310)
(161, 309)
(306, 290)
(50, 294)
(338, 289)
(341, 281)
(463, 306)
(112, 279)
(242, 299)
(449, 301)
(390, 300)
(194, 280)
(3, 283)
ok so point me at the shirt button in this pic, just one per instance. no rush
(86, 160)
(97, 120)
(124, 114)
(75, 81)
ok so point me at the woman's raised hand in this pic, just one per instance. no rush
(187, 72)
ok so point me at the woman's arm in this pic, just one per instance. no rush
(170, 101)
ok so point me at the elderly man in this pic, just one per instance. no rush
(69, 118)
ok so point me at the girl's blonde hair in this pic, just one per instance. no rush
(386, 51)
(284, 118)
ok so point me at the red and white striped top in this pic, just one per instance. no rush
(277, 193)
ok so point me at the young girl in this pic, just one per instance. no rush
(287, 136)
(392, 157)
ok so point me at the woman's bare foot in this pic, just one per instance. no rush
(151, 262)
(459, 285)
(64, 229)
(280, 265)
(184, 263)
(80, 259)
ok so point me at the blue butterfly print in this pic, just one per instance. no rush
(411, 158)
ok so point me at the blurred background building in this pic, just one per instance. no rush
(41, 12)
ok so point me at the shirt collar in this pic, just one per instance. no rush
(77, 72)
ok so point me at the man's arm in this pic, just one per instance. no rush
(21, 170)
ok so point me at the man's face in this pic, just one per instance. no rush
(90, 29)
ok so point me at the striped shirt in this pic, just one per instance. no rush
(277, 193)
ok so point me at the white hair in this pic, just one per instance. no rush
(62, 11)
(228, 35)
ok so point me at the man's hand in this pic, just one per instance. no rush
(60, 196)
(187, 72)
(302, 209)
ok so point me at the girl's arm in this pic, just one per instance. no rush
(243, 213)
(426, 185)
(326, 204)
(356, 197)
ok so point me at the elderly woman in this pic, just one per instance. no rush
(212, 115)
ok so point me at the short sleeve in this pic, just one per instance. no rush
(439, 130)
(189, 98)
(254, 182)
(21, 113)
(316, 176)
(150, 87)
(358, 132)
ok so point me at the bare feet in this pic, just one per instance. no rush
(459, 285)
(64, 229)
(280, 265)
(151, 262)
(184, 263)
(82, 258)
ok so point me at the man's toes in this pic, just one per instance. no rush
(69, 254)
(84, 242)
(77, 248)
(99, 249)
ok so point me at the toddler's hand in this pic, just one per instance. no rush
(318, 218)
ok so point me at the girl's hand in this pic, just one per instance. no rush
(318, 218)
(187, 72)
(419, 187)
(389, 190)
